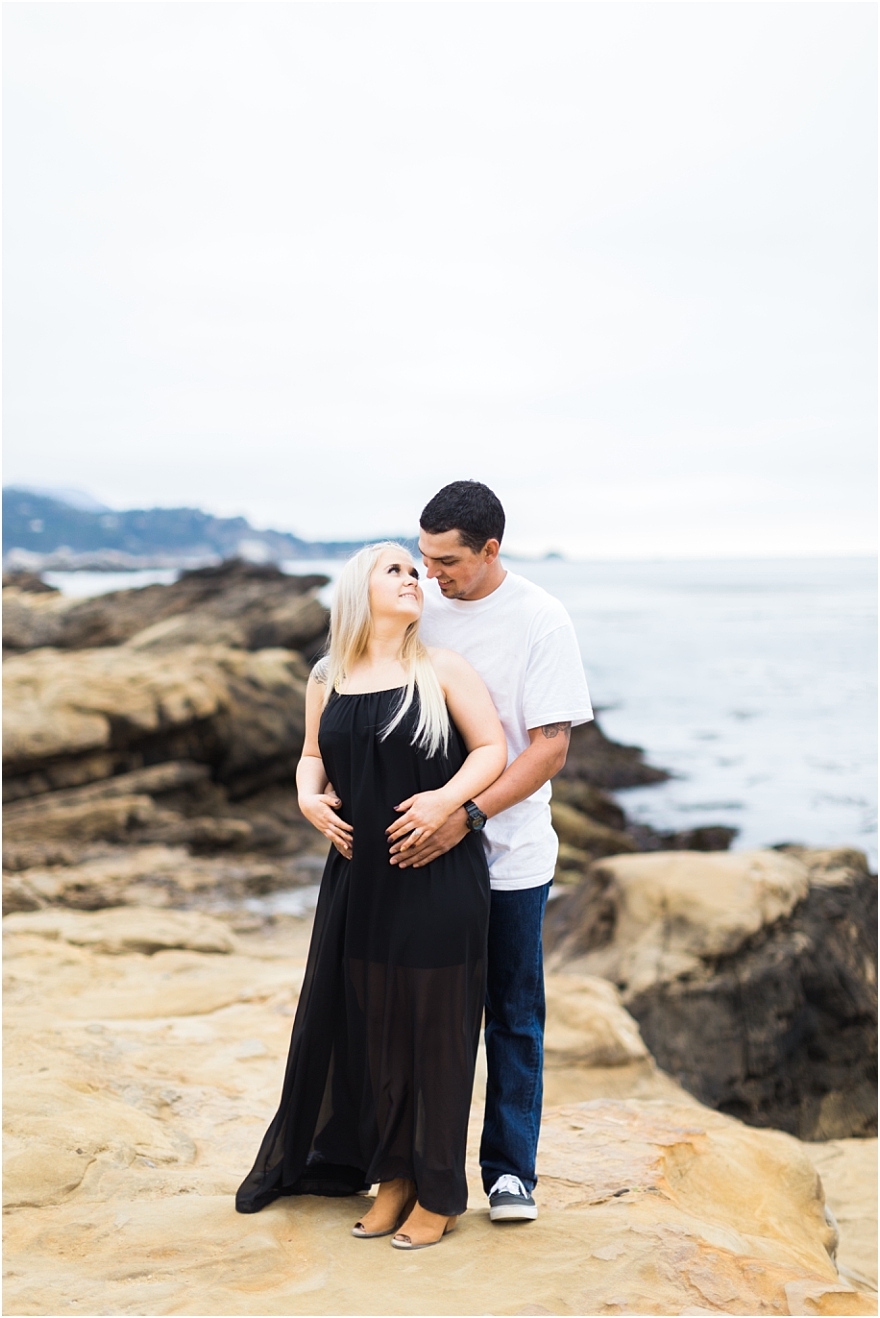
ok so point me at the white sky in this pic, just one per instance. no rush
(311, 261)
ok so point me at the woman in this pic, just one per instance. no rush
(381, 1065)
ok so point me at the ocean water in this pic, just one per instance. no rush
(753, 682)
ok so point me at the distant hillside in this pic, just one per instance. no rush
(41, 533)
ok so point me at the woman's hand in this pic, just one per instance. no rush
(320, 810)
(423, 814)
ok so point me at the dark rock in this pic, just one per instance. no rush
(583, 919)
(590, 801)
(254, 606)
(582, 840)
(594, 759)
(708, 837)
(156, 780)
(29, 582)
(783, 1033)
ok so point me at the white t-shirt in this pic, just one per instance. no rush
(521, 642)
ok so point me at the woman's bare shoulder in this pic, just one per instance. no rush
(448, 663)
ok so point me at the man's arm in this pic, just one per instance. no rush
(541, 760)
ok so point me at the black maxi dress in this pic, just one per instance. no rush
(381, 1064)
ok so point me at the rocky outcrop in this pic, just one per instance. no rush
(206, 672)
(591, 825)
(32, 619)
(253, 606)
(582, 840)
(74, 718)
(752, 976)
(144, 1056)
(588, 1025)
(594, 759)
(30, 582)
(173, 877)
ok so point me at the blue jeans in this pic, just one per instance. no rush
(514, 1036)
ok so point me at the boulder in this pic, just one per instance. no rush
(752, 976)
(253, 605)
(587, 1024)
(74, 718)
(677, 909)
(140, 1085)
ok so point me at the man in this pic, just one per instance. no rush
(522, 643)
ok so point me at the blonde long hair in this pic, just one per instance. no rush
(351, 627)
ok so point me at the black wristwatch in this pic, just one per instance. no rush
(476, 820)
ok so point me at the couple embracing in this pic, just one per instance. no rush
(433, 728)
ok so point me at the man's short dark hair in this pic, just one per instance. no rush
(468, 507)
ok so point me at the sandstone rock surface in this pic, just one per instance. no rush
(72, 718)
(676, 909)
(752, 976)
(126, 929)
(584, 837)
(587, 1024)
(138, 1087)
(162, 876)
(848, 1169)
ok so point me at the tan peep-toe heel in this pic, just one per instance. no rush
(358, 1228)
(403, 1242)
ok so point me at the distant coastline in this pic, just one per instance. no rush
(47, 532)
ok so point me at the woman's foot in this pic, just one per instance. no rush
(388, 1210)
(423, 1229)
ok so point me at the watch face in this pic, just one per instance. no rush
(476, 818)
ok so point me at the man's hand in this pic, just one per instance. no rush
(448, 835)
(543, 757)
(422, 815)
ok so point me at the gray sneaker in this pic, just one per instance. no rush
(510, 1201)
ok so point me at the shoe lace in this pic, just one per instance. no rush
(509, 1185)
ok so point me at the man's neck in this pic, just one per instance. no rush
(488, 584)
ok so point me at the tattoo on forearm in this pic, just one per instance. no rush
(551, 730)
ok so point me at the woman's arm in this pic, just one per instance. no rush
(471, 709)
(319, 806)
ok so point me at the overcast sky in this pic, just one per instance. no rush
(310, 261)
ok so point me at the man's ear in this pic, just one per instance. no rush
(492, 548)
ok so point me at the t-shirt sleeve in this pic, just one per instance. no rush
(556, 685)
